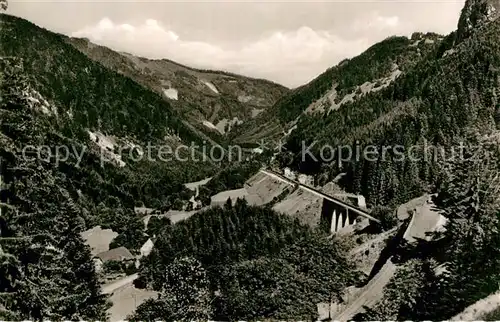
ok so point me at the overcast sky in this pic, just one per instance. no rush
(288, 42)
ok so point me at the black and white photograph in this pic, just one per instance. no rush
(249, 160)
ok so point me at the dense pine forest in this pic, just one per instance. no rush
(430, 105)
(376, 62)
(44, 258)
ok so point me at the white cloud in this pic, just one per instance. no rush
(289, 57)
(375, 22)
(388, 21)
(202, 30)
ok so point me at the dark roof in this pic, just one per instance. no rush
(116, 254)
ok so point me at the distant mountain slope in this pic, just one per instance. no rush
(446, 95)
(350, 80)
(210, 100)
(375, 63)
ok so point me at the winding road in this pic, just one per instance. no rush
(425, 219)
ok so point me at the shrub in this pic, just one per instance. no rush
(386, 215)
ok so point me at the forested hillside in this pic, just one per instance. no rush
(55, 99)
(376, 62)
(86, 102)
(448, 100)
(85, 94)
(254, 262)
(439, 279)
(460, 264)
(47, 200)
(348, 81)
(434, 103)
(242, 262)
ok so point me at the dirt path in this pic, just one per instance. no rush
(126, 300)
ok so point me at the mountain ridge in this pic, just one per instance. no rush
(345, 80)
(213, 101)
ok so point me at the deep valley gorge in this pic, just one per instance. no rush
(142, 189)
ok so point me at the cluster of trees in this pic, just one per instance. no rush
(132, 234)
(387, 216)
(119, 267)
(259, 264)
(184, 297)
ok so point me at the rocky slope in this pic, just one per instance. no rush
(476, 14)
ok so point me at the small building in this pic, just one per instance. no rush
(98, 239)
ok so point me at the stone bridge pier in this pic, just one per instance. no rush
(334, 216)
